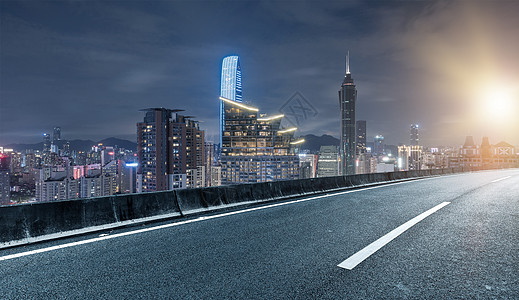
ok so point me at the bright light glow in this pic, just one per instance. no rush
(298, 142)
(499, 103)
(271, 118)
(385, 158)
(132, 165)
(288, 130)
(239, 104)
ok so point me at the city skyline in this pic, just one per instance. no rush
(415, 63)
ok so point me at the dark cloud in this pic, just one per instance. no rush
(89, 66)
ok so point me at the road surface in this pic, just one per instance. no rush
(444, 237)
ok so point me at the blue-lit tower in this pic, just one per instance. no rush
(230, 85)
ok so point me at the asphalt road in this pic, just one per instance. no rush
(467, 249)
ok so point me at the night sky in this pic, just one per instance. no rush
(89, 67)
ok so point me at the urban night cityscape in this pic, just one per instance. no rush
(259, 149)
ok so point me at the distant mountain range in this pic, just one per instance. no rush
(313, 143)
(79, 145)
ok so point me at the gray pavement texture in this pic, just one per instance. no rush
(467, 250)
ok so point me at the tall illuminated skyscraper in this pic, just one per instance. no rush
(230, 85)
(347, 100)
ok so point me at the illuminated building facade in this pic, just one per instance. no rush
(409, 157)
(486, 156)
(347, 100)
(254, 147)
(168, 144)
(230, 85)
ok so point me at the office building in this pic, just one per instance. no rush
(127, 179)
(230, 86)
(307, 165)
(347, 101)
(328, 162)
(254, 147)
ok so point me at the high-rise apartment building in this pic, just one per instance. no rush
(230, 85)
(255, 148)
(361, 136)
(347, 100)
(414, 138)
(168, 146)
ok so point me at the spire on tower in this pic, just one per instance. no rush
(348, 63)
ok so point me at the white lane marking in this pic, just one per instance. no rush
(360, 256)
(501, 179)
(203, 218)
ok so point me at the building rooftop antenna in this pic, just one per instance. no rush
(348, 63)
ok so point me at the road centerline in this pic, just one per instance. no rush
(367, 251)
(503, 178)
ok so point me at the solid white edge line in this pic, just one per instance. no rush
(501, 179)
(203, 218)
(360, 256)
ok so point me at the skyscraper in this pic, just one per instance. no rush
(361, 136)
(168, 148)
(414, 135)
(230, 85)
(347, 100)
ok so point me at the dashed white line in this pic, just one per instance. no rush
(501, 179)
(360, 256)
(203, 218)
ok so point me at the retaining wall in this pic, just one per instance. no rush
(23, 221)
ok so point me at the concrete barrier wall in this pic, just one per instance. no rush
(36, 219)
(24, 221)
